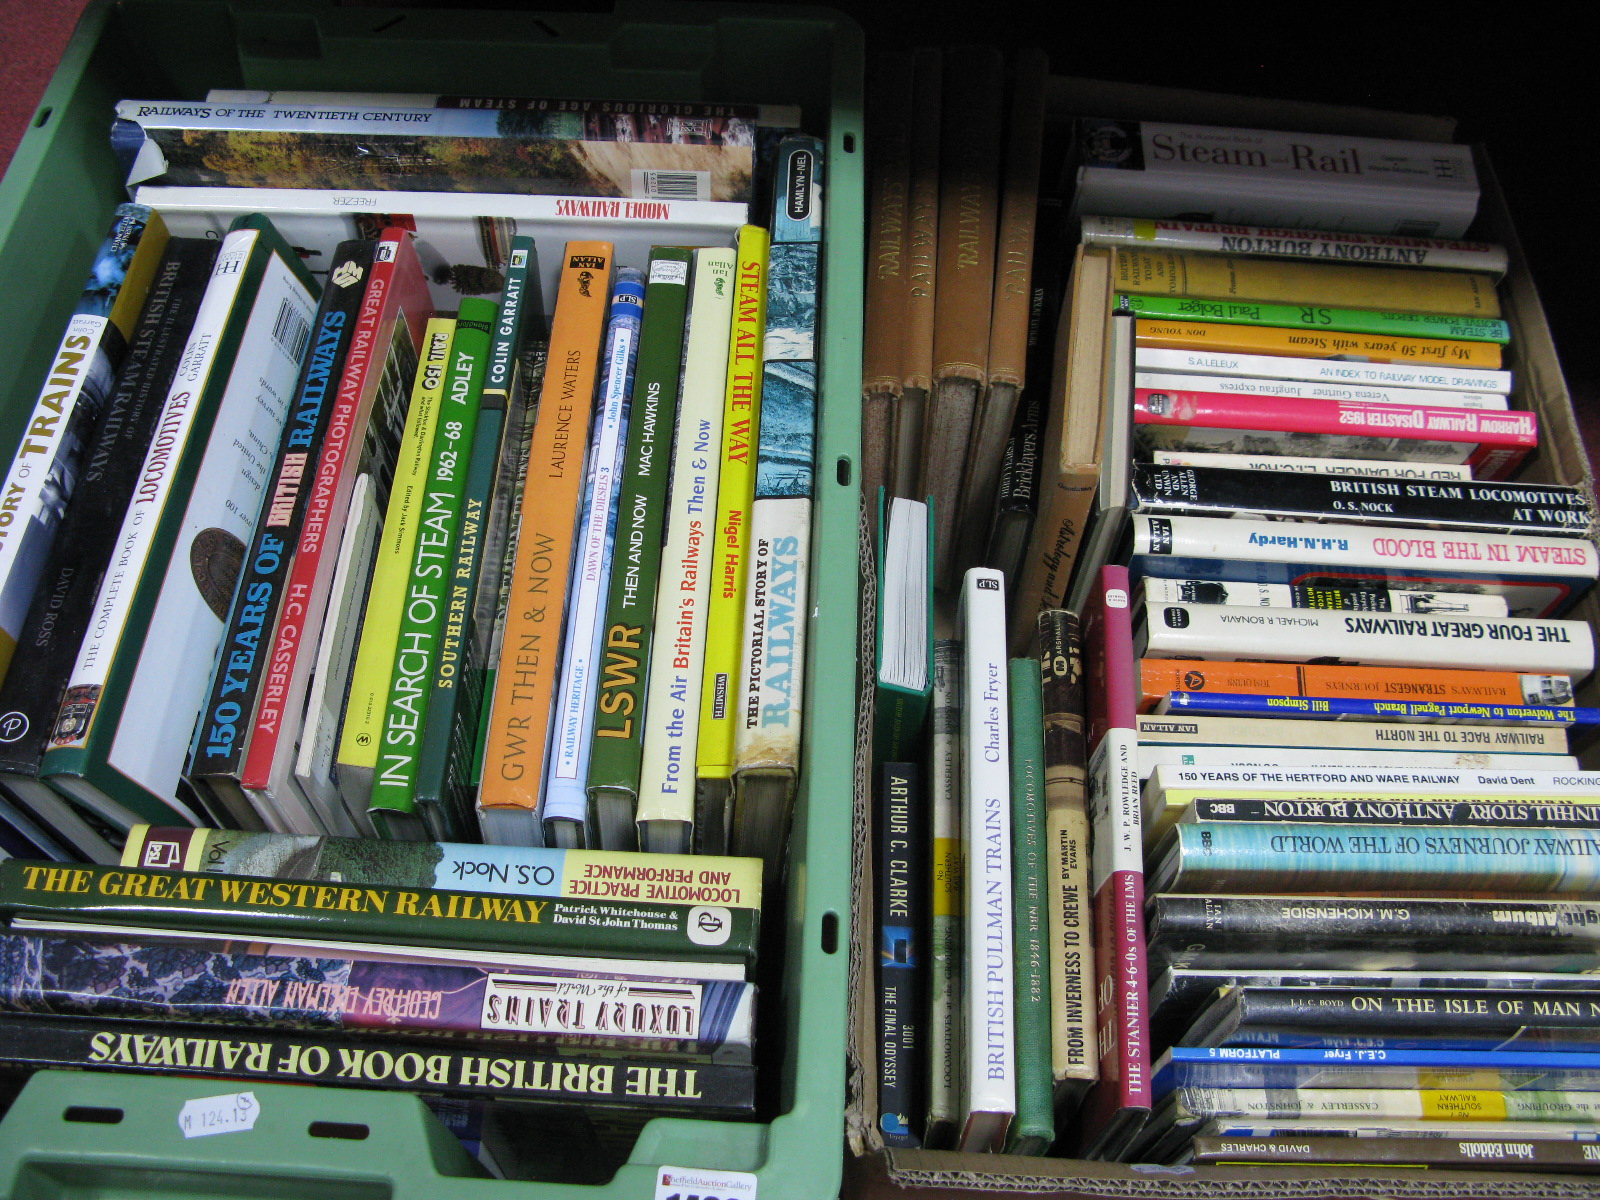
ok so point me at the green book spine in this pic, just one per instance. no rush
(422, 622)
(641, 514)
(1033, 1129)
(1316, 316)
(399, 915)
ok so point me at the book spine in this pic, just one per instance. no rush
(1337, 708)
(741, 427)
(1222, 410)
(601, 117)
(1469, 780)
(922, 243)
(218, 748)
(1383, 1072)
(1457, 293)
(565, 800)
(1225, 338)
(946, 892)
(427, 589)
(45, 467)
(502, 870)
(1033, 1131)
(1074, 1063)
(1509, 814)
(1476, 1153)
(1193, 729)
(1499, 508)
(1184, 374)
(1423, 1104)
(1426, 1014)
(519, 716)
(902, 958)
(1287, 318)
(1340, 372)
(665, 811)
(1159, 676)
(59, 615)
(1312, 595)
(627, 1082)
(237, 904)
(1313, 466)
(1257, 241)
(362, 729)
(990, 1072)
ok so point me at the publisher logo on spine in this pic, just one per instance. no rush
(13, 725)
(590, 262)
(1160, 536)
(801, 167)
(1175, 618)
(708, 925)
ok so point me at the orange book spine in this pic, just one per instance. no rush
(1314, 343)
(530, 658)
(1158, 676)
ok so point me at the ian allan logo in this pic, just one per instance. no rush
(591, 262)
(346, 274)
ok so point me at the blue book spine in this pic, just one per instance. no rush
(1337, 708)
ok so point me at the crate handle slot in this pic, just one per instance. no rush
(830, 933)
(843, 471)
(348, 1130)
(89, 1115)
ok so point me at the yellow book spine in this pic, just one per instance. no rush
(1313, 343)
(529, 655)
(1403, 289)
(741, 420)
(380, 627)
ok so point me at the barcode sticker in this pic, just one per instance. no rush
(235, 1112)
(690, 1183)
(291, 330)
(671, 185)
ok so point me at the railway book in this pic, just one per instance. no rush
(903, 677)
(1193, 729)
(1159, 676)
(1287, 318)
(1357, 1127)
(1266, 368)
(1153, 756)
(1231, 338)
(946, 881)
(1543, 508)
(1498, 1153)
(1350, 596)
(1190, 377)
(1375, 468)
(1357, 1068)
(1339, 708)
(1460, 814)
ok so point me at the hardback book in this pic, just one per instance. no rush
(1350, 596)
(730, 558)
(460, 917)
(988, 1002)
(1316, 245)
(1538, 576)
(144, 664)
(366, 700)
(1340, 372)
(216, 757)
(1073, 1033)
(1153, 756)
(1193, 729)
(429, 587)
(45, 468)
(1117, 1106)
(1159, 676)
(564, 806)
(628, 1082)
(1374, 468)
(889, 116)
(665, 807)
(1008, 357)
(1287, 323)
(1516, 1069)
(1106, 533)
(901, 893)
(1016, 499)
(619, 713)
(91, 838)
(364, 436)
(1359, 709)
(1527, 645)
(1206, 336)
(1471, 1153)
(452, 150)
(465, 240)
(1438, 1104)
(771, 712)
(1492, 443)
(59, 613)
(1381, 1128)
(1195, 373)
(519, 713)
(972, 129)
(1156, 169)
(1070, 448)
(903, 680)
(1033, 1130)
(945, 890)
(922, 250)
(22, 836)
(297, 988)
(1226, 277)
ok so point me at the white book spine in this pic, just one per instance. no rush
(566, 796)
(1380, 639)
(1153, 756)
(665, 809)
(114, 602)
(989, 1081)
(172, 678)
(1406, 781)
(1379, 1102)
(1301, 389)
(1185, 730)
(1244, 593)
(776, 599)
(1332, 370)
(1310, 466)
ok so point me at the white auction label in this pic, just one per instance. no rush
(694, 1183)
(234, 1113)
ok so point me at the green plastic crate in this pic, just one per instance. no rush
(54, 203)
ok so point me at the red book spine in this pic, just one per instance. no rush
(1226, 410)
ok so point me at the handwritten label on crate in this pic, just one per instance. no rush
(234, 1113)
(694, 1183)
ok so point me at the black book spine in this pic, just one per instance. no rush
(509, 1072)
(221, 740)
(1511, 813)
(1416, 1010)
(902, 895)
(59, 613)
(1488, 1153)
(1483, 505)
